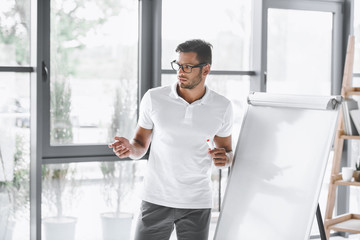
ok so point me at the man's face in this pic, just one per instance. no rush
(193, 79)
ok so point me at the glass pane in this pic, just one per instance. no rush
(357, 36)
(93, 70)
(85, 199)
(354, 200)
(14, 155)
(354, 158)
(226, 26)
(299, 52)
(15, 33)
(356, 83)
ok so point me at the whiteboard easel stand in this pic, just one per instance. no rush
(320, 224)
(265, 187)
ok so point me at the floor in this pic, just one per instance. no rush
(213, 226)
(352, 237)
(215, 218)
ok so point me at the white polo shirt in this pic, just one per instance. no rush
(179, 167)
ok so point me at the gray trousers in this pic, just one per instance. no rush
(157, 222)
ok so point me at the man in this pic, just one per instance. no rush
(178, 120)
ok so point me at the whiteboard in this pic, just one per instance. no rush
(278, 168)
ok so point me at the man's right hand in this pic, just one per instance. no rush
(121, 147)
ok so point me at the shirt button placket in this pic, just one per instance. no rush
(189, 112)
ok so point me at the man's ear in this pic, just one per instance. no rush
(206, 70)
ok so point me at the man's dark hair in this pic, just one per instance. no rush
(202, 48)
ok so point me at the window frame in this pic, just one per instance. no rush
(260, 36)
(149, 52)
(61, 153)
(41, 150)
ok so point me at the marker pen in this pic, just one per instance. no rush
(210, 144)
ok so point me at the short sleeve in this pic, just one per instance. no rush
(145, 120)
(226, 127)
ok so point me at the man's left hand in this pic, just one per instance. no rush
(219, 156)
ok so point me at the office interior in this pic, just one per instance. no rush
(72, 74)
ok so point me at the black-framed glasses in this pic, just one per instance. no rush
(186, 68)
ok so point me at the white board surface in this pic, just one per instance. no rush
(279, 164)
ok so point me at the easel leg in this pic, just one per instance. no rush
(320, 223)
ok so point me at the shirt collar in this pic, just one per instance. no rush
(173, 92)
(203, 100)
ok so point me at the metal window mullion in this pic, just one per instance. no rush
(157, 43)
(259, 31)
(38, 19)
(149, 45)
(343, 193)
(16, 69)
(217, 72)
(81, 159)
(89, 158)
(44, 60)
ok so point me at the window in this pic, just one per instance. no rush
(293, 36)
(14, 155)
(91, 95)
(90, 50)
(14, 120)
(97, 200)
(15, 33)
(230, 37)
(93, 71)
